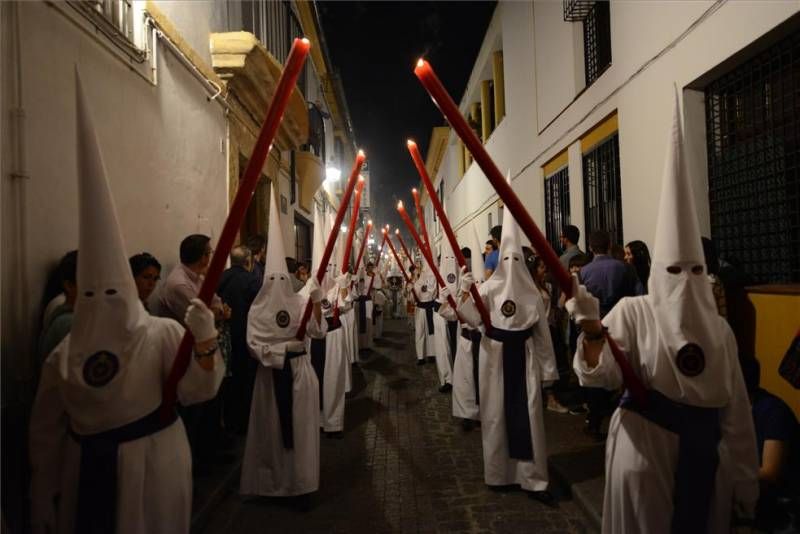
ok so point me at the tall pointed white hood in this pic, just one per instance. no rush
(109, 318)
(513, 294)
(476, 262)
(688, 324)
(277, 309)
(448, 267)
(321, 233)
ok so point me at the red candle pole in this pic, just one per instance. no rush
(423, 230)
(247, 186)
(448, 230)
(403, 244)
(363, 244)
(351, 230)
(449, 109)
(400, 264)
(425, 252)
(326, 256)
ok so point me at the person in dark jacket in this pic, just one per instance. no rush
(238, 287)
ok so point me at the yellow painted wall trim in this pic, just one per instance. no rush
(600, 132)
(175, 36)
(557, 162)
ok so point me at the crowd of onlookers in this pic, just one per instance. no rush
(212, 425)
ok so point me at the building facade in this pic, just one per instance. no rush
(178, 91)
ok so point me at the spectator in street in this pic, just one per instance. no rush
(538, 271)
(777, 445)
(712, 268)
(238, 286)
(569, 243)
(300, 275)
(638, 255)
(258, 247)
(493, 256)
(203, 420)
(607, 280)
(146, 273)
(59, 320)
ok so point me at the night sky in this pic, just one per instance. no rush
(375, 45)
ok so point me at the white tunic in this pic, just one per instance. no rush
(335, 378)
(268, 468)
(464, 401)
(640, 455)
(154, 472)
(431, 344)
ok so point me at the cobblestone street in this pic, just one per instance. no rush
(405, 465)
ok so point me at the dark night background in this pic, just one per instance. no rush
(374, 46)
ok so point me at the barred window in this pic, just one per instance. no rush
(601, 189)
(302, 240)
(556, 205)
(753, 136)
(275, 24)
(597, 41)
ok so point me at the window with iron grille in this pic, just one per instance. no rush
(276, 26)
(601, 189)
(597, 41)
(556, 205)
(753, 135)
(302, 240)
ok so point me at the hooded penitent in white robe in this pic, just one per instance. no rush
(683, 352)
(378, 302)
(281, 456)
(514, 447)
(363, 308)
(430, 328)
(108, 374)
(328, 352)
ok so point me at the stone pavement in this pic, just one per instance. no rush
(405, 465)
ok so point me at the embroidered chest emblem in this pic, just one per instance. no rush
(282, 318)
(691, 360)
(451, 278)
(326, 304)
(100, 368)
(508, 308)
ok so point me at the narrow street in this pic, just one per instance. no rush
(405, 465)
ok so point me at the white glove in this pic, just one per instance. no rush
(200, 321)
(295, 346)
(314, 290)
(444, 292)
(582, 306)
(467, 279)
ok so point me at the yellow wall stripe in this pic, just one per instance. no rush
(599, 133)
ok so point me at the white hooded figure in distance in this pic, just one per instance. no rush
(516, 359)
(363, 306)
(686, 460)
(430, 328)
(102, 458)
(328, 351)
(281, 456)
(466, 394)
(375, 290)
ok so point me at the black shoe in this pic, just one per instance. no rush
(544, 497)
(431, 359)
(302, 503)
(335, 435)
(467, 425)
(446, 388)
(502, 489)
(421, 362)
(578, 410)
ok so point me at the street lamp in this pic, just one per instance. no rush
(332, 174)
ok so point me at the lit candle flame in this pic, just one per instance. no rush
(411, 142)
(399, 204)
(420, 62)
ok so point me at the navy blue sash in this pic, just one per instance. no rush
(282, 383)
(515, 391)
(97, 486)
(474, 336)
(698, 457)
(452, 336)
(318, 346)
(362, 314)
(429, 307)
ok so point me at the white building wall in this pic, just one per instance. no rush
(164, 148)
(655, 45)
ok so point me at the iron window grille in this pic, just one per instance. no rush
(601, 189)
(275, 24)
(753, 138)
(302, 241)
(556, 205)
(597, 41)
(577, 10)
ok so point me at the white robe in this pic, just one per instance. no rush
(268, 468)
(154, 472)
(335, 378)
(641, 456)
(499, 468)
(464, 401)
(348, 319)
(431, 344)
